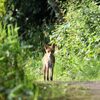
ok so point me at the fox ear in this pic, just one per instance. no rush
(45, 46)
(53, 46)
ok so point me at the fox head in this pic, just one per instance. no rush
(49, 49)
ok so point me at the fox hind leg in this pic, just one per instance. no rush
(47, 74)
(51, 74)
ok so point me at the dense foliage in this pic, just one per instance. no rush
(79, 39)
(25, 26)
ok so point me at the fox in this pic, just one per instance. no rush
(48, 62)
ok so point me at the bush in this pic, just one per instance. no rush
(15, 57)
(78, 39)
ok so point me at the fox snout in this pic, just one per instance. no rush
(49, 55)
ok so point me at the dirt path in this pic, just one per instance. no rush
(69, 90)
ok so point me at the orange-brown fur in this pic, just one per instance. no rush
(48, 62)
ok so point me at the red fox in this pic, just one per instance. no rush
(48, 62)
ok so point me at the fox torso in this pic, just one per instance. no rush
(48, 61)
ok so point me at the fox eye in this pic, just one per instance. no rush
(48, 51)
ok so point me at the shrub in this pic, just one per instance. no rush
(78, 39)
